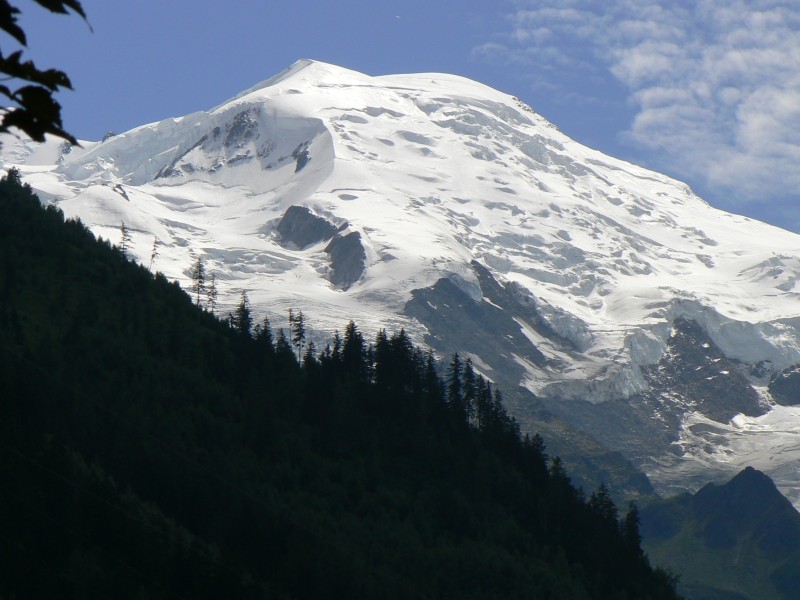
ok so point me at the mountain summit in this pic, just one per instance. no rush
(612, 295)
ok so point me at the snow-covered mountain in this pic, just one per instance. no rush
(628, 306)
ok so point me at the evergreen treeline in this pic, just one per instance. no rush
(151, 450)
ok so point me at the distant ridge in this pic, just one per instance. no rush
(741, 538)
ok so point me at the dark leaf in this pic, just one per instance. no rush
(8, 22)
(38, 114)
(39, 100)
(24, 121)
(61, 6)
(51, 78)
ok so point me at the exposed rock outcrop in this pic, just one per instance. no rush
(785, 386)
(302, 228)
(348, 259)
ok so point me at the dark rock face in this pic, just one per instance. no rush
(245, 138)
(696, 368)
(485, 328)
(302, 228)
(301, 156)
(692, 375)
(518, 301)
(491, 328)
(589, 464)
(173, 169)
(785, 386)
(241, 129)
(348, 259)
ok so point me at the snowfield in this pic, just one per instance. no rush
(433, 172)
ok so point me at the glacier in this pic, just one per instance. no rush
(437, 204)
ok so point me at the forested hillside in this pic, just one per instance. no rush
(149, 449)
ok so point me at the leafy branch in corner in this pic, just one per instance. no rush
(36, 112)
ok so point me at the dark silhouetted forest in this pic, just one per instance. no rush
(149, 449)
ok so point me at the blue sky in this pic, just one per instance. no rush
(707, 91)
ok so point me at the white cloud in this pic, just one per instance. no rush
(715, 83)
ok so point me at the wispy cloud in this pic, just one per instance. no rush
(715, 83)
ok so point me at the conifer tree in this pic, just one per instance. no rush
(198, 276)
(469, 385)
(431, 381)
(455, 399)
(211, 293)
(125, 238)
(557, 470)
(535, 459)
(369, 365)
(481, 401)
(13, 177)
(153, 254)
(629, 528)
(354, 352)
(263, 335)
(500, 420)
(325, 357)
(336, 351)
(310, 357)
(601, 504)
(381, 356)
(282, 346)
(243, 320)
(297, 330)
(403, 351)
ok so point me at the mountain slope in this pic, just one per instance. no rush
(151, 450)
(425, 200)
(741, 539)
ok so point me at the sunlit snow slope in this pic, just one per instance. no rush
(436, 203)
